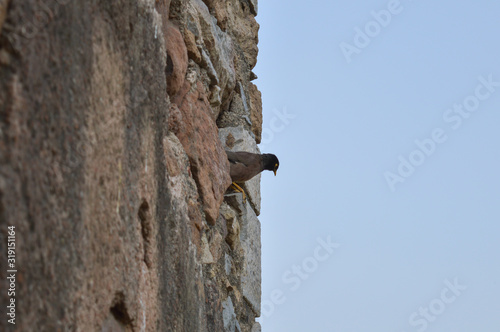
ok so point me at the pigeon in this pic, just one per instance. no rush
(245, 165)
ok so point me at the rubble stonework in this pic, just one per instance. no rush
(114, 118)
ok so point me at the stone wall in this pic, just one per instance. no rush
(114, 118)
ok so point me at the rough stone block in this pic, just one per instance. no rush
(256, 327)
(206, 254)
(235, 201)
(254, 7)
(216, 43)
(233, 225)
(251, 245)
(255, 111)
(231, 323)
(177, 59)
(198, 134)
(191, 46)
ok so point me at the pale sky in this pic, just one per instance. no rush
(385, 214)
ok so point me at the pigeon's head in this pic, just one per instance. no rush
(271, 162)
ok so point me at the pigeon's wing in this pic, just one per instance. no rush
(240, 157)
(244, 165)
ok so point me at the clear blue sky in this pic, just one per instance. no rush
(418, 224)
